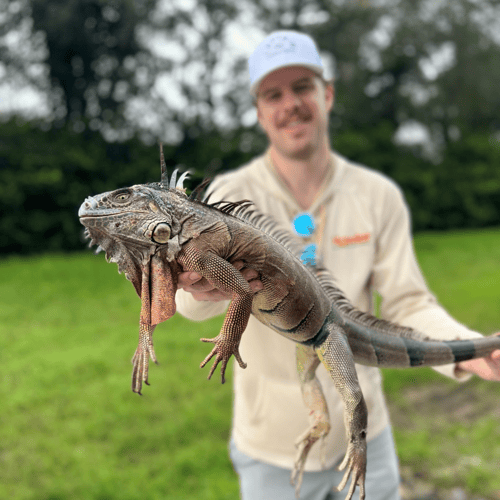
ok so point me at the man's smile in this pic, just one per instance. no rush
(295, 122)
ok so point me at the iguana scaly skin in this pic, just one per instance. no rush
(154, 232)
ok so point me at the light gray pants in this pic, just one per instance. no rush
(260, 481)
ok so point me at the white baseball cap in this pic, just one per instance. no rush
(279, 50)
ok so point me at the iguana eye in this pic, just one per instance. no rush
(161, 233)
(122, 196)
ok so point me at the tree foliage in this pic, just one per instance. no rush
(92, 56)
(167, 68)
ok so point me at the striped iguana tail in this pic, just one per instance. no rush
(377, 342)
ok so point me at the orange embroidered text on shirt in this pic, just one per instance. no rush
(343, 241)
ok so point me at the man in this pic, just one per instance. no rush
(362, 234)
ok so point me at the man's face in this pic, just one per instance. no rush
(292, 108)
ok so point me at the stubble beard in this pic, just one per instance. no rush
(289, 147)
(293, 151)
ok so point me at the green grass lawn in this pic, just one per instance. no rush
(70, 427)
(449, 433)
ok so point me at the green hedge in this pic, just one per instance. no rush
(45, 176)
(462, 191)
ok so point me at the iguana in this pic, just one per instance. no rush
(155, 231)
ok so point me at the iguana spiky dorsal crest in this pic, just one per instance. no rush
(174, 183)
(245, 210)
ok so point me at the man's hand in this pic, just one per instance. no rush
(201, 289)
(487, 368)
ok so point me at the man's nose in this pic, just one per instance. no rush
(290, 100)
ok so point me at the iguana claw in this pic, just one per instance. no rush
(304, 443)
(355, 461)
(222, 351)
(140, 361)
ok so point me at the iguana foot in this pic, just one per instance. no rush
(140, 361)
(304, 443)
(222, 351)
(355, 462)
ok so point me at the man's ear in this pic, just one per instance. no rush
(259, 116)
(329, 96)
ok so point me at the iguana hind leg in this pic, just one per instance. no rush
(336, 356)
(314, 399)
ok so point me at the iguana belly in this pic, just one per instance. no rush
(295, 309)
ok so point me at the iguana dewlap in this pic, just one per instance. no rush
(155, 231)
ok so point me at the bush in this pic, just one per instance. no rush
(462, 191)
(45, 176)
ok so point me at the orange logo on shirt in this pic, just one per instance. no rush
(343, 241)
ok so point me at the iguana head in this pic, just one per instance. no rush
(142, 217)
(140, 228)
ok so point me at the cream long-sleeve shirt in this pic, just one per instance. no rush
(363, 237)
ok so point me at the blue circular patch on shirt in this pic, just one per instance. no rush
(304, 224)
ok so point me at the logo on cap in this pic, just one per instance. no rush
(279, 44)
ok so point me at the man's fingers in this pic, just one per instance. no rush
(256, 285)
(202, 290)
(187, 278)
(249, 274)
(495, 356)
(200, 286)
(487, 368)
(193, 282)
(211, 296)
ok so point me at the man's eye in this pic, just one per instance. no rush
(302, 88)
(274, 96)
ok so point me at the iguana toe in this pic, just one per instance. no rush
(355, 463)
(222, 351)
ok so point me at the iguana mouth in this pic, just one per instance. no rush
(90, 208)
(90, 211)
(89, 204)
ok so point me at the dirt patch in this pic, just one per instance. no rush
(437, 407)
(458, 403)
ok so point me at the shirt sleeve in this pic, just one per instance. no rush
(396, 276)
(197, 310)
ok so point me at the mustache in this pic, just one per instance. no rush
(295, 114)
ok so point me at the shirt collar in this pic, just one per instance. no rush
(273, 180)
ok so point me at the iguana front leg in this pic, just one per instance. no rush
(314, 399)
(224, 276)
(336, 355)
(140, 361)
